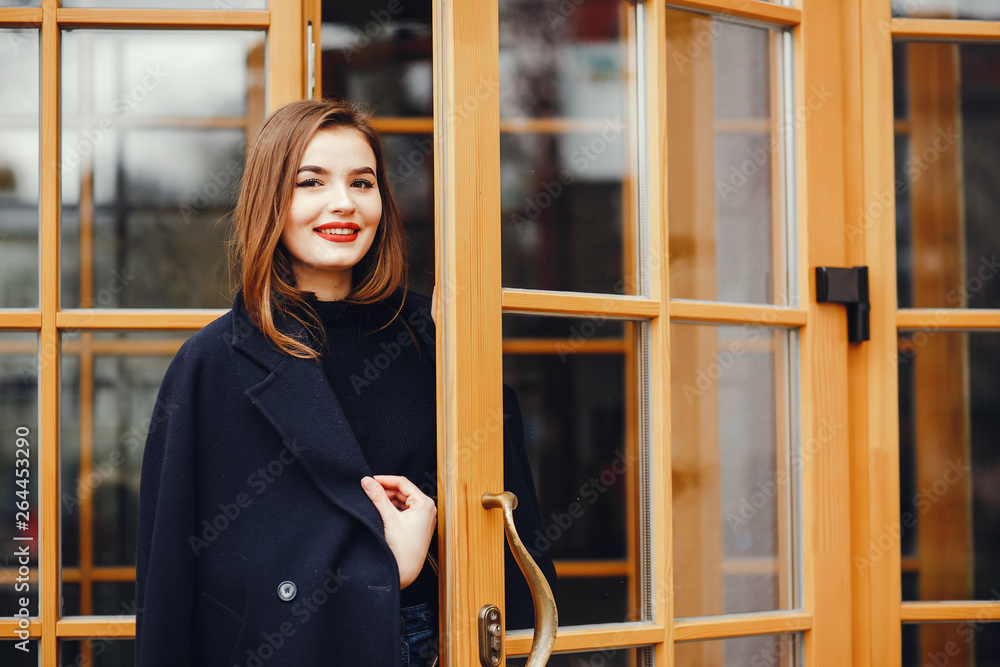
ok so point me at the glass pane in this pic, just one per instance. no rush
(152, 155)
(949, 468)
(410, 166)
(20, 3)
(947, 9)
(379, 53)
(19, 171)
(109, 387)
(947, 188)
(732, 467)
(610, 657)
(218, 5)
(99, 652)
(19, 473)
(753, 651)
(582, 440)
(728, 132)
(951, 644)
(567, 199)
(19, 654)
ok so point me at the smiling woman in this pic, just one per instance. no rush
(273, 386)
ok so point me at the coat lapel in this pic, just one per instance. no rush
(298, 401)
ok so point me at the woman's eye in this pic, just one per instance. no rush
(363, 183)
(308, 183)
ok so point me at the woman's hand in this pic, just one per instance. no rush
(409, 518)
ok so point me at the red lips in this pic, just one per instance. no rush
(338, 238)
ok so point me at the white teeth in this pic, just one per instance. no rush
(341, 231)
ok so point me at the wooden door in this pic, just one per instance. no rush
(632, 199)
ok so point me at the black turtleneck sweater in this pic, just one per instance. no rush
(384, 379)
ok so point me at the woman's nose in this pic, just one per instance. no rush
(340, 200)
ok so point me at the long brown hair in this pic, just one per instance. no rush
(262, 263)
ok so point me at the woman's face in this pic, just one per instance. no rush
(335, 211)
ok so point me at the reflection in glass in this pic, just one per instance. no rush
(564, 61)
(409, 160)
(609, 657)
(952, 644)
(152, 156)
(732, 468)
(98, 652)
(566, 175)
(947, 194)
(771, 650)
(986, 10)
(564, 206)
(379, 54)
(19, 94)
(109, 387)
(19, 371)
(949, 464)
(728, 133)
(581, 430)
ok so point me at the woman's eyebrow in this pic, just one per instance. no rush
(323, 171)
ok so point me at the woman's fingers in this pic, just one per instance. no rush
(378, 496)
(402, 489)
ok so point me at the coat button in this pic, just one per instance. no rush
(286, 590)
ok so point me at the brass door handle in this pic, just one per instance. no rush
(546, 614)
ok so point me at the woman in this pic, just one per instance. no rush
(280, 518)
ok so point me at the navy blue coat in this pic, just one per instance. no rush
(250, 484)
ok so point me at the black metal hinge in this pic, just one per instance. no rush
(849, 287)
